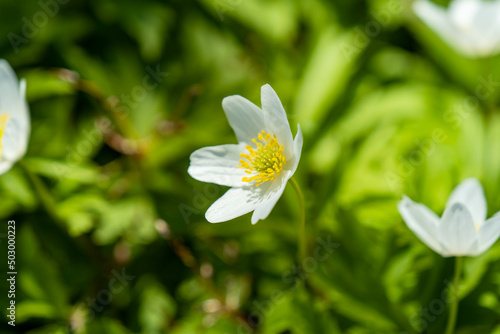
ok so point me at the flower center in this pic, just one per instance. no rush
(3, 122)
(264, 163)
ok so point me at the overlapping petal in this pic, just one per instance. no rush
(489, 233)
(297, 149)
(238, 201)
(271, 195)
(462, 13)
(234, 203)
(471, 194)
(276, 119)
(246, 119)
(217, 164)
(9, 89)
(456, 231)
(422, 221)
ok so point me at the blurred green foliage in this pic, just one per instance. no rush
(386, 109)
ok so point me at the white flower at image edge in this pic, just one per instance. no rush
(258, 167)
(14, 118)
(463, 230)
(471, 27)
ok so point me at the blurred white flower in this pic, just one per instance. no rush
(471, 27)
(258, 167)
(14, 118)
(463, 229)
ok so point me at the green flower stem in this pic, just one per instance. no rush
(42, 191)
(452, 317)
(302, 228)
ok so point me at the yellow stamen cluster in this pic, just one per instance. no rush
(3, 122)
(264, 163)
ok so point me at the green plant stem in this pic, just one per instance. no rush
(43, 193)
(452, 317)
(302, 227)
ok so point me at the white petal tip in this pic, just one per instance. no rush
(256, 219)
(299, 130)
(4, 63)
(211, 219)
(472, 181)
(267, 92)
(266, 87)
(404, 201)
(459, 207)
(22, 87)
(232, 101)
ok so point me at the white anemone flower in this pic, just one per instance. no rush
(14, 118)
(258, 167)
(470, 27)
(463, 230)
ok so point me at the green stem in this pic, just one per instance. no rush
(42, 191)
(302, 228)
(452, 317)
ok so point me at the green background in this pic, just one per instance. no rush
(386, 109)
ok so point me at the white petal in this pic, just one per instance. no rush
(488, 234)
(14, 139)
(272, 196)
(13, 103)
(271, 101)
(487, 29)
(276, 119)
(422, 221)
(234, 203)
(436, 18)
(9, 89)
(297, 150)
(463, 12)
(457, 231)
(471, 194)
(246, 119)
(218, 164)
(479, 22)
(5, 166)
(237, 202)
(23, 112)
